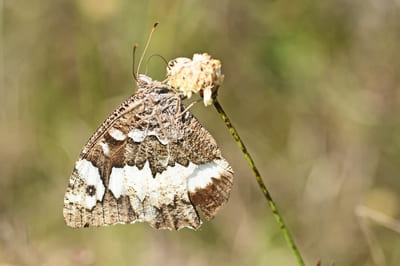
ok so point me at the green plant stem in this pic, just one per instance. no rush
(260, 182)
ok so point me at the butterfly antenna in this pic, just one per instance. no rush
(151, 56)
(145, 48)
(133, 61)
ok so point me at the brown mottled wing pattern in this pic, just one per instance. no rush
(150, 161)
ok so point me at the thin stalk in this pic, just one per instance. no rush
(260, 182)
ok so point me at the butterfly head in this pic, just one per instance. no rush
(144, 81)
(148, 86)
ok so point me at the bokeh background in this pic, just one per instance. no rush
(312, 87)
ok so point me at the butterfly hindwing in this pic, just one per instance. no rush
(150, 161)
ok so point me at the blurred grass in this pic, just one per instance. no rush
(312, 87)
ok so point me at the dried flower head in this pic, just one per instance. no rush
(202, 74)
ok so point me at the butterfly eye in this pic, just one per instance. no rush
(163, 90)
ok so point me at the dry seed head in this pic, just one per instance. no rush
(200, 74)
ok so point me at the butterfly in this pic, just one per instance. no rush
(149, 161)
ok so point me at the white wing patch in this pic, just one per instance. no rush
(117, 134)
(140, 182)
(90, 174)
(203, 174)
(105, 148)
(116, 184)
(176, 181)
(139, 135)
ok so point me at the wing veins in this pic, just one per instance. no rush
(105, 126)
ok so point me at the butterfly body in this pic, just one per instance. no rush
(150, 161)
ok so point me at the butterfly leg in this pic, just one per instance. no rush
(178, 105)
(186, 109)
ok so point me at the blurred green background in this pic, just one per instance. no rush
(312, 87)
